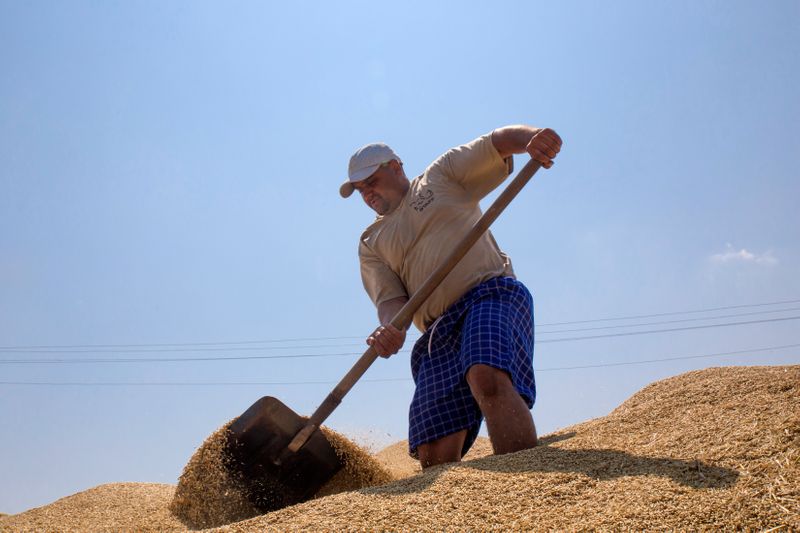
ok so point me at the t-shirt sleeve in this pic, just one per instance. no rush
(380, 281)
(476, 166)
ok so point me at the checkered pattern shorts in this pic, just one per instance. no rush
(492, 324)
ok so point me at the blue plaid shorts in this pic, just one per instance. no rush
(492, 324)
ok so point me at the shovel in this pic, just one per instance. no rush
(283, 458)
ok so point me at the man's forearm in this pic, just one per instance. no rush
(510, 140)
(388, 309)
(387, 339)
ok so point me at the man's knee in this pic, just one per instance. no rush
(444, 450)
(487, 382)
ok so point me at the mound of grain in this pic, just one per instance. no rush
(116, 507)
(713, 449)
(207, 494)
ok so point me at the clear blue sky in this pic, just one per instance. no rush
(169, 174)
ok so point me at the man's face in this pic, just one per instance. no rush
(385, 188)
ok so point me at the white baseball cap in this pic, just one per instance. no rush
(364, 163)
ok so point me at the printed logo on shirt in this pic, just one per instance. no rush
(423, 200)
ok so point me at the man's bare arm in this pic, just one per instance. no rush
(387, 339)
(389, 308)
(543, 144)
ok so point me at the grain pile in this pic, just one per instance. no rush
(713, 449)
(141, 507)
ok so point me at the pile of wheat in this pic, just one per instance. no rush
(142, 507)
(712, 449)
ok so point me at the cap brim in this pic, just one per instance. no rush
(358, 175)
(346, 189)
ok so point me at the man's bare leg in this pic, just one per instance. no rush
(508, 418)
(445, 450)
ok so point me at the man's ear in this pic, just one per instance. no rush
(396, 166)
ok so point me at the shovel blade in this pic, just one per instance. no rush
(275, 478)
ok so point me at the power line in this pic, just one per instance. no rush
(672, 313)
(687, 328)
(166, 350)
(300, 356)
(382, 380)
(168, 346)
(172, 344)
(661, 322)
(661, 360)
(320, 346)
(189, 383)
(172, 359)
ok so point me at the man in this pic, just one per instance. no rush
(475, 357)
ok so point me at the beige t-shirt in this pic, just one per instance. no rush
(400, 250)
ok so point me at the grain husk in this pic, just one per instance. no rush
(717, 449)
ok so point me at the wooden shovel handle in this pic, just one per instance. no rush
(403, 317)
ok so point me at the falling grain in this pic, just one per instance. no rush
(359, 468)
(208, 494)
